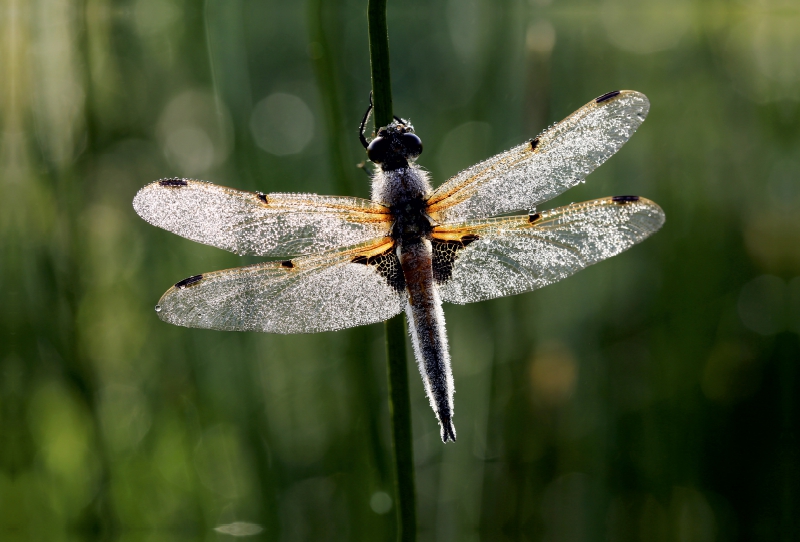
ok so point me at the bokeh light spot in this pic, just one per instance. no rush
(380, 502)
(763, 53)
(239, 528)
(553, 373)
(191, 147)
(195, 132)
(282, 124)
(540, 37)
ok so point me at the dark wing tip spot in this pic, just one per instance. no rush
(173, 183)
(534, 143)
(287, 264)
(607, 96)
(263, 198)
(624, 199)
(191, 281)
(533, 217)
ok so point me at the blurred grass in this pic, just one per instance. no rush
(649, 397)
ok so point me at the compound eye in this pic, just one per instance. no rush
(412, 145)
(378, 150)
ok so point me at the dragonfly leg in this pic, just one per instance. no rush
(361, 137)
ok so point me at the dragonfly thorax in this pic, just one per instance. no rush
(411, 222)
(394, 187)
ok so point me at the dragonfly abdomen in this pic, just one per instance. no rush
(428, 334)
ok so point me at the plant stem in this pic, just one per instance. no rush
(400, 414)
(379, 62)
(399, 404)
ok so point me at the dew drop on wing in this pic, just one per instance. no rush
(158, 308)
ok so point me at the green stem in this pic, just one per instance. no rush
(379, 62)
(399, 404)
(400, 414)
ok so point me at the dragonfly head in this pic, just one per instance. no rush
(395, 146)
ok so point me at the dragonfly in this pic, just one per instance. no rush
(346, 261)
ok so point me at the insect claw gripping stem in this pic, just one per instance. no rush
(364, 121)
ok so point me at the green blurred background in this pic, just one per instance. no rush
(651, 397)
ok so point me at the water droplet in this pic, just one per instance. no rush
(380, 502)
(158, 308)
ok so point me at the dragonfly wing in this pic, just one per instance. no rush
(323, 292)
(540, 169)
(260, 224)
(504, 256)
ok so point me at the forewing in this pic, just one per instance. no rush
(324, 292)
(260, 224)
(511, 255)
(540, 169)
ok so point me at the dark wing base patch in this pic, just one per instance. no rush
(445, 254)
(387, 264)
